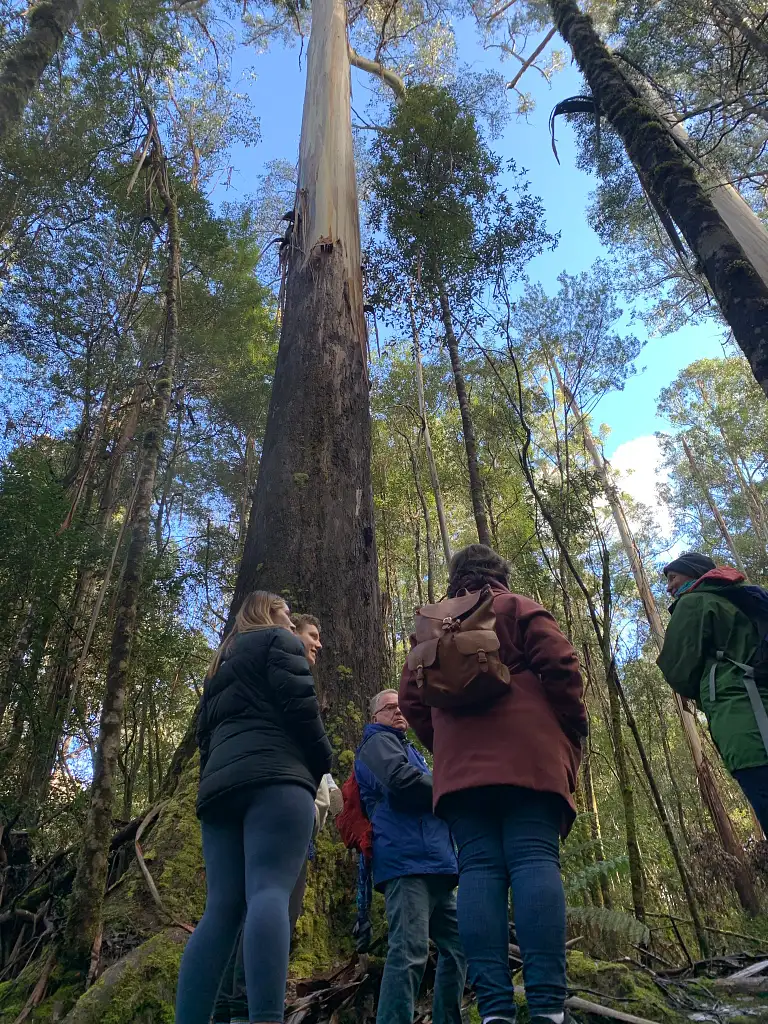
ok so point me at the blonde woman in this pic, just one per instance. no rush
(263, 753)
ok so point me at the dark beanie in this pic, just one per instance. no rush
(691, 564)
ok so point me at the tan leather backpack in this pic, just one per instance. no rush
(456, 652)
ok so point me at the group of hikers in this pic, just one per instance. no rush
(493, 690)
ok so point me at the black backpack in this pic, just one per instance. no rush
(753, 602)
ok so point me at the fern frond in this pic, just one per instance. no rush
(609, 924)
(586, 877)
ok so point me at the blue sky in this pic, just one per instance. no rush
(276, 88)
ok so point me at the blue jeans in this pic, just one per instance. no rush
(510, 836)
(252, 861)
(754, 783)
(420, 907)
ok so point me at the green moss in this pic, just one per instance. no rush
(301, 479)
(139, 990)
(324, 931)
(635, 990)
(174, 849)
(14, 993)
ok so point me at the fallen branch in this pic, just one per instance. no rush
(39, 990)
(576, 1003)
(145, 870)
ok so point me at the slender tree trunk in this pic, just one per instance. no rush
(311, 530)
(594, 823)
(16, 661)
(672, 181)
(42, 755)
(614, 683)
(721, 523)
(636, 880)
(737, 20)
(427, 525)
(467, 424)
(27, 59)
(84, 920)
(425, 433)
(417, 562)
(708, 789)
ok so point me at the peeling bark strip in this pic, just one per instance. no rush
(741, 295)
(84, 919)
(311, 530)
(27, 59)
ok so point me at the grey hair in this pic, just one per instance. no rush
(374, 702)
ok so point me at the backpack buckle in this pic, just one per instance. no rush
(482, 657)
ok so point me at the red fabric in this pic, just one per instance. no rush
(722, 574)
(353, 824)
(519, 739)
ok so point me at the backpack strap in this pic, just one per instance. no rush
(758, 708)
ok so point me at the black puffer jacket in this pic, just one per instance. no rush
(259, 720)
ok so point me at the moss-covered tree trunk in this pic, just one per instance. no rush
(26, 60)
(311, 530)
(467, 423)
(84, 920)
(665, 170)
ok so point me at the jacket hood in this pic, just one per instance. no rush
(722, 576)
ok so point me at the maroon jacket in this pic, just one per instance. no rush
(530, 736)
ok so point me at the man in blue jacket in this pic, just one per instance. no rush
(414, 865)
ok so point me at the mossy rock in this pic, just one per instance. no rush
(619, 986)
(138, 989)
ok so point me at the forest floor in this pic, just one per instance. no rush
(146, 927)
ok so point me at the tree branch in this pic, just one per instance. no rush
(391, 78)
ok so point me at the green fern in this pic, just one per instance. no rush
(586, 877)
(609, 924)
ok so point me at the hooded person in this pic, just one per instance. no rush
(709, 646)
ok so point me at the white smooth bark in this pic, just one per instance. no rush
(326, 212)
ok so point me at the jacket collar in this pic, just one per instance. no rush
(373, 727)
(722, 576)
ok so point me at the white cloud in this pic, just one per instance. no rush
(638, 465)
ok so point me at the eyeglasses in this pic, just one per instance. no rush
(388, 707)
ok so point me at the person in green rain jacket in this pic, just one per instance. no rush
(706, 623)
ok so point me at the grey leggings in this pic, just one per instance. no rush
(252, 863)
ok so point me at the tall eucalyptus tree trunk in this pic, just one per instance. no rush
(311, 530)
